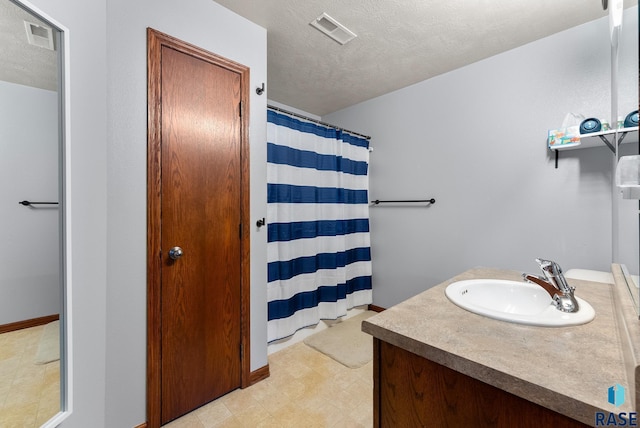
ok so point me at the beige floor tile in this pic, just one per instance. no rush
(289, 416)
(305, 389)
(268, 422)
(46, 412)
(239, 400)
(212, 413)
(4, 393)
(8, 367)
(18, 415)
(273, 400)
(280, 380)
(360, 391)
(348, 422)
(231, 422)
(29, 393)
(251, 416)
(363, 414)
(325, 412)
(23, 391)
(29, 371)
(187, 421)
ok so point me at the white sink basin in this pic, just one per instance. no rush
(513, 301)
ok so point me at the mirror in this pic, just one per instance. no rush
(626, 219)
(32, 268)
(628, 222)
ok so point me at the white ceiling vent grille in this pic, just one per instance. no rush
(333, 29)
(39, 35)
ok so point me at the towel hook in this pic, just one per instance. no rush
(260, 90)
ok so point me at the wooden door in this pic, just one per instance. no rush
(199, 155)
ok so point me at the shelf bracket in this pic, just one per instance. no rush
(622, 135)
(604, 140)
(610, 145)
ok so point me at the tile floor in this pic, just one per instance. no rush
(29, 393)
(306, 389)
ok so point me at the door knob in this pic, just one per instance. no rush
(175, 253)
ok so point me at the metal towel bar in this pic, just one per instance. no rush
(29, 203)
(431, 201)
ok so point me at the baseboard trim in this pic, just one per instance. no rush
(257, 375)
(142, 425)
(375, 308)
(34, 322)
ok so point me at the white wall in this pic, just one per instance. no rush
(30, 264)
(86, 52)
(214, 28)
(114, 314)
(109, 336)
(475, 140)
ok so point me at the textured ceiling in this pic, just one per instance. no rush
(400, 42)
(21, 62)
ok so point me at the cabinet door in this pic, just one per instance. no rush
(410, 391)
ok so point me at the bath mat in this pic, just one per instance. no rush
(49, 346)
(345, 342)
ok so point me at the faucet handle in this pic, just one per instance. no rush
(556, 285)
(553, 272)
(542, 262)
(549, 267)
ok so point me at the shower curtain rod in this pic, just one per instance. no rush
(317, 121)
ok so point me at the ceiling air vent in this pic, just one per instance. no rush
(333, 29)
(39, 35)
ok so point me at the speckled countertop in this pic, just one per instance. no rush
(566, 369)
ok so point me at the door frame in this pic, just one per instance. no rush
(155, 41)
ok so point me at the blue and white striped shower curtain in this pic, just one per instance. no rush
(319, 257)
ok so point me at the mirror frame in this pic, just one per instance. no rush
(64, 190)
(633, 288)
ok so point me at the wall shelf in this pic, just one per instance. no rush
(596, 139)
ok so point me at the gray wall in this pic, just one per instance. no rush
(108, 181)
(29, 265)
(210, 26)
(493, 217)
(475, 140)
(86, 54)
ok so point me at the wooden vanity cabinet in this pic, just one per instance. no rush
(411, 391)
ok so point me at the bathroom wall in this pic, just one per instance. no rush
(107, 139)
(475, 140)
(214, 28)
(107, 142)
(86, 140)
(30, 265)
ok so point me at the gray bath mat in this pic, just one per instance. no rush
(49, 346)
(345, 342)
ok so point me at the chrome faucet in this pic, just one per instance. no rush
(555, 284)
